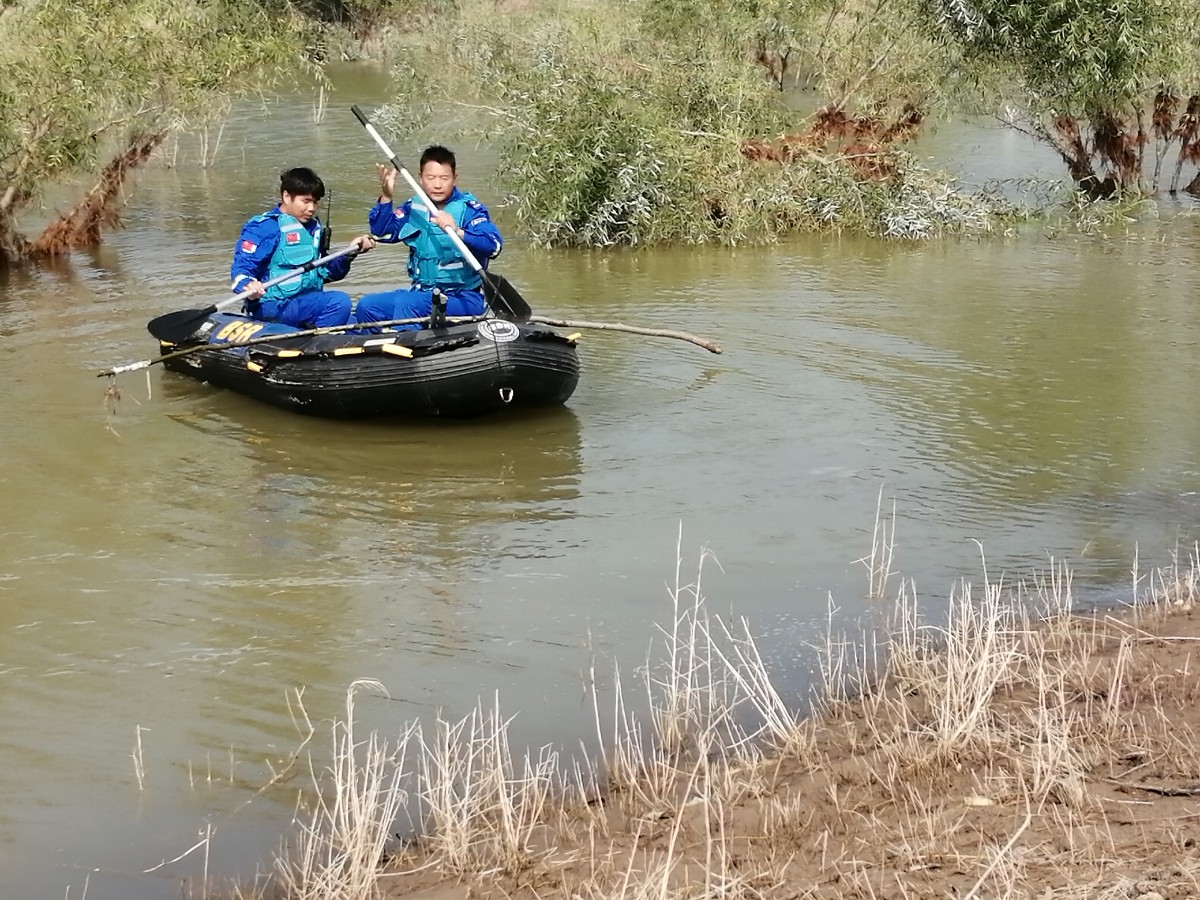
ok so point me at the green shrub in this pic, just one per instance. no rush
(609, 134)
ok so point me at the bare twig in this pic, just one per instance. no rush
(999, 856)
(1163, 791)
(710, 346)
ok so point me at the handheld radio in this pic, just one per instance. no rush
(327, 230)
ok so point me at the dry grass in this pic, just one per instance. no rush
(1003, 745)
(339, 844)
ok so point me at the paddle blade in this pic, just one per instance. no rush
(176, 327)
(504, 299)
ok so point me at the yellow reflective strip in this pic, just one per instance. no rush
(396, 350)
(574, 337)
(347, 351)
(288, 354)
(254, 367)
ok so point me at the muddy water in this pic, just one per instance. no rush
(177, 563)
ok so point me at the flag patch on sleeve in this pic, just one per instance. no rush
(249, 246)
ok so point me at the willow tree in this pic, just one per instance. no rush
(651, 121)
(89, 90)
(851, 54)
(1099, 81)
(769, 31)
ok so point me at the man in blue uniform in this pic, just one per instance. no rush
(286, 238)
(433, 260)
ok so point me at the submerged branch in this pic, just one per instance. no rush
(708, 345)
(82, 226)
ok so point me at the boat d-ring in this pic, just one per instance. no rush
(506, 394)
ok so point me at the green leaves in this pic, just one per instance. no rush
(1075, 55)
(81, 78)
(629, 124)
(1083, 76)
(608, 146)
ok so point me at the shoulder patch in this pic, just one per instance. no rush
(474, 204)
(249, 246)
(476, 221)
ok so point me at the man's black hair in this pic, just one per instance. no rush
(301, 181)
(439, 154)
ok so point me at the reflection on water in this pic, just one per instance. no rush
(446, 495)
(175, 570)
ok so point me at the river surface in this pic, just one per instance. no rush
(177, 562)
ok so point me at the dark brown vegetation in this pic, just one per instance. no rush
(861, 140)
(99, 210)
(1113, 160)
(1185, 129)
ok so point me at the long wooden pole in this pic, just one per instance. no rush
(275, 338)
(708, 345)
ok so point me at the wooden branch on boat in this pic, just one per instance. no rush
(275, 338)
(708, 345)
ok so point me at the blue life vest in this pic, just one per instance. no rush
(434, 260)
(296, 247)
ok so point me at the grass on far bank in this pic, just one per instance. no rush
(1015, 747)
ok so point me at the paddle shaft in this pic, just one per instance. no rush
(459, 244)
(294, 273)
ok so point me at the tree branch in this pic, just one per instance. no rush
(708, 345)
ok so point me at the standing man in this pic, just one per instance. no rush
(286, 238)
(433, 260)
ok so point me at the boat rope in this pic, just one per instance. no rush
(500, 369)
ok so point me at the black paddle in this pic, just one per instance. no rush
(176, 327)
(502, 297)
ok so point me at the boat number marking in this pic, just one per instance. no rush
(235, 332)
(499, 330)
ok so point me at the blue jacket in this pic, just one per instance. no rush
(261, 254)
(433, 260)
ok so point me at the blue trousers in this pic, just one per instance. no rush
(312, 309)
(409, 304)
